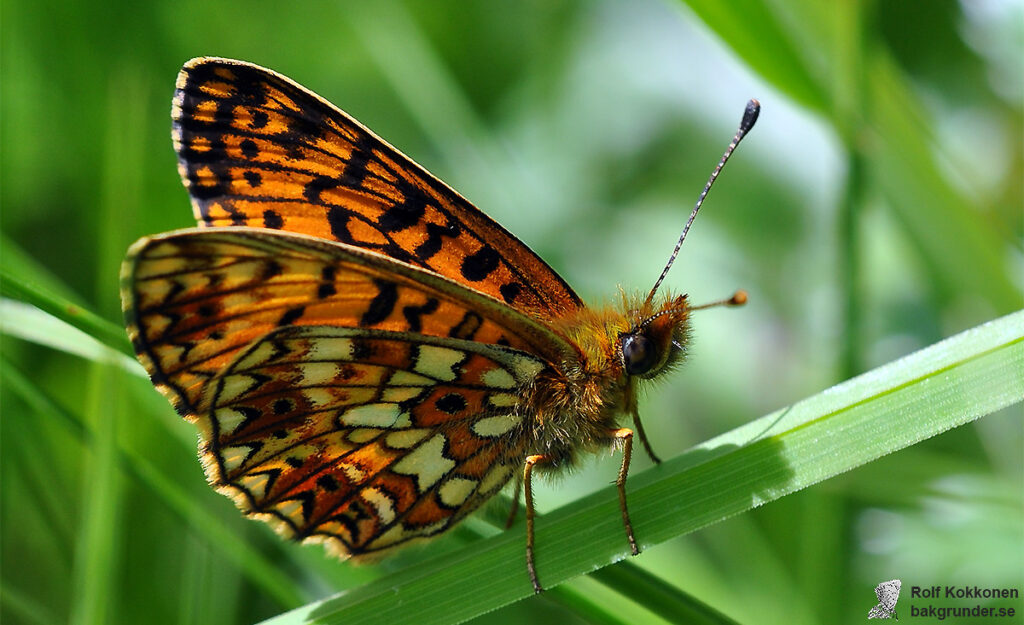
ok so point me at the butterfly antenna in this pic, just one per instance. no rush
(749, 117)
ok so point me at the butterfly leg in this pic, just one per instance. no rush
(643, 436)
(531, 567)
(626, 436)
(514, 508)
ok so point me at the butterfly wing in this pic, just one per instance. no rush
(365, 439)
(256, 149)
(888, 593)
(194, 298)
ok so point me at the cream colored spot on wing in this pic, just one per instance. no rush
(317, 373)
(455, 491)
(381, 502)
(330, 349)
(291, 509)
(407, 378)
(256, 485)
(495, 478)
(496, 425)
(228, 419)
(377, 416)
(355, 474)
(398, 394)
(360, 436)
(161, 258)
(168, 353)
(502, 400)
(156, 325)
(338, 531)
(527, 368)
(233, 457)
(319, 397)
(438, 362)
(499, 378)
(427, 463)
(232, 387)
(238, 303)
(404, 439)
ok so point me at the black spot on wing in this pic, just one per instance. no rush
(337, 219)
(259, 119)
(480, 264)
(382, 304)
(271, 269)
(318, 185)
(249, 149)
(413, 314)
(253, 178)
(432, 244)
(355, 167)
(291, 316)
(402, 215)
(509, 291)
(326, 288)
(467, 326)
(271, 219)
(327, 482)
(452, 403)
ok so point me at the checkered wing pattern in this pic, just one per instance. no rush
(365, 439)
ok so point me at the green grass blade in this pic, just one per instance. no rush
(943, 386)
(753, 30)
(228, 544)
(32, 324)
(658, 596)
(108, 333)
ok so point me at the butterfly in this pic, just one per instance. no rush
(367, 356)
(888, 593)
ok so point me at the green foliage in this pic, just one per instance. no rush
(874, 211)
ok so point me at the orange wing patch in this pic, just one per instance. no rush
(194, 298)
(365, 439)
(256, 149)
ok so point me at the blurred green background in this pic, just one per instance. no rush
(875, 209)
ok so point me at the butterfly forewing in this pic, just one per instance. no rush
(194, 298)
(366, 438)
(256, 149)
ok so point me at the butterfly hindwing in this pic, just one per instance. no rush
(194, 298)
(365, 438)
(256, 149)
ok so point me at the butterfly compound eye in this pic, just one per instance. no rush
(638, 354)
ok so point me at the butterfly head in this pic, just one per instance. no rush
(656, 339)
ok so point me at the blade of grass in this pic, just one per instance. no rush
(97, 553)
(938, 388)
(24, 607)
(959, 246)
(754, 32)
(260, 571)
(963, 250)
(29, 323)
(108, 333)
(18, 262)
(659, 596)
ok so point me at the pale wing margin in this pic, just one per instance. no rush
(366, 439)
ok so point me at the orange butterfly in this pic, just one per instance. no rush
(367, 356)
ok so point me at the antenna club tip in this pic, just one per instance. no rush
(750, 115)
(739, 298)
